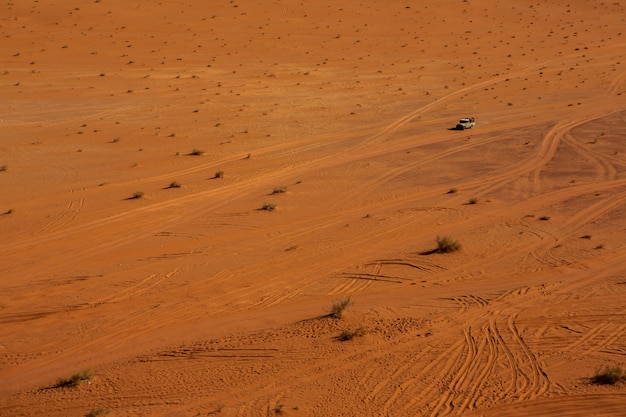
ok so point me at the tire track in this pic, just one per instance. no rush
(135, 290)
(607, 169)
(419, 385)
(479, 380)
(446, 403)
(596, 339)
(539, 382)
(534, 166)
(69, 213)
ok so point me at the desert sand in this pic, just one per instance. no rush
(188, 186)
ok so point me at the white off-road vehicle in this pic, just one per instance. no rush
(465, 124)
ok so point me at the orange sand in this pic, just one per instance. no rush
(192, 300)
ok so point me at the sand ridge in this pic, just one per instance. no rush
(194, 300)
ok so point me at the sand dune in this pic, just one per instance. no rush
(188, 186)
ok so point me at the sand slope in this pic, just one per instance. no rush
(194, 300)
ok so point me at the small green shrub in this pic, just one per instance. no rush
(609, 376)
(98, 412)
(351, 334)
(339, 306)
(74, 380)
(446, 244)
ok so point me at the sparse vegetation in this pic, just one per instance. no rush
(269, 207)
(452, 190)
(472, 200)
(279, 190)
(74, 380)
(446, 244)
(174, 184)
(10, 211)
(544, 218)
(609, 376)
(98, 412)
(279, 409)
(137, 195)
(339, 306)
(351, 334)
(196, 152)
(3, 167)
(219, 174)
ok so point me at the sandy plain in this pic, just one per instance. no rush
(193, 300)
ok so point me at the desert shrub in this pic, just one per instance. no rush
(138, 195)
(174, 184)
(452, 190)
(98, 412)
(472, 200)
(219, 174)
(279, 409)
(351, 334)
(269, 207)
(544, 218)
(446, 244)
(339, 306)
(3, 167)
(74, 380)
(279, 190)
(609, 376)
(197, 152)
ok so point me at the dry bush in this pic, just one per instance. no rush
(609, 376)
(351, 334)
(339, 306)
(446, 244)
(74, 380)
(98, 412)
